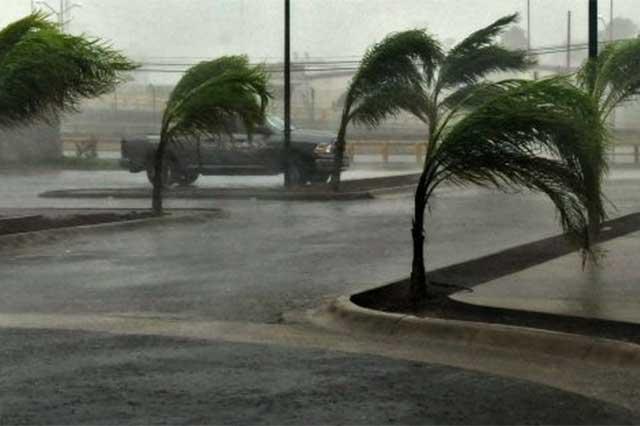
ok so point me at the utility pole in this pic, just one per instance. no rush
(611, 21)
(528, 25)
(593, 29)
(60, 13)
(287, 91)
(569, 41)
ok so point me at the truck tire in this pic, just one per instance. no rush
(299, 174)
(168, 172)
(320, 177)
(187, 179)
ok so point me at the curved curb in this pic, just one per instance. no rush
(345, 316)
(51, 235)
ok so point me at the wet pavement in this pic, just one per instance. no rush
(261, 264)
(92, 378)
(609, 290)
(265, 258)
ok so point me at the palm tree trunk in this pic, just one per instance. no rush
(419, 286)
(339, 156)
(156, 202)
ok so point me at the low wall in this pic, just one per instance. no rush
(35, 143)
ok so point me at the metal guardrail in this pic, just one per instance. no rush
(384, 149)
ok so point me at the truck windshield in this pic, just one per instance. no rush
(276, 123)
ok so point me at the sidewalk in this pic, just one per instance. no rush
(609, 291)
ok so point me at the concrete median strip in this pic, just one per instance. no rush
(347, 317)
(50, 235)
(351, 190)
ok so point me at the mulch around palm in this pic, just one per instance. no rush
(21, 221)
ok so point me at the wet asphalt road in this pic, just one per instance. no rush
(262, 261)
(267, 258)
(102, 379)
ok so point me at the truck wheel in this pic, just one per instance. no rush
(168, 173)
(298, 174)
(187, 179)
(320, 177)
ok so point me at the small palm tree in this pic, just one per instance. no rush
(211, 95)
(544, 136)
(44, 72)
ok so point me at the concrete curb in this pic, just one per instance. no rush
(56, 234)
(404, 189)
(345, 316)
(213, 194)
(361, 189)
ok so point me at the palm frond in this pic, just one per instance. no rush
(14, 32)
(213, 94)
(394, 59)
(387, 101)
(470, 96)
(545, 136)
(479, 55)
(615, 76)
(45, 72)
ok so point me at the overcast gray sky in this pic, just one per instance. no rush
(322, 28)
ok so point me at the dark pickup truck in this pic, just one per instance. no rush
(312, 155)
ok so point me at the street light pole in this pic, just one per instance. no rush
(287, 91)
(593, 29)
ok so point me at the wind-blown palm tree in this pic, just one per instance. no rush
(545, 136)
(409, 71)
(210, 96)
(44, 72)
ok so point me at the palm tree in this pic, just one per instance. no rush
(409, 71)
(211, 95)
(611, 79)
(44, 72)
(544, 136)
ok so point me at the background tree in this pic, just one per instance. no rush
(515, 38)
(544, 136)
(209, 97)
(44, 72)
(623, 28)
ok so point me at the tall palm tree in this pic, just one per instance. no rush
(545, 136)
(211, 95)
(44, 72)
